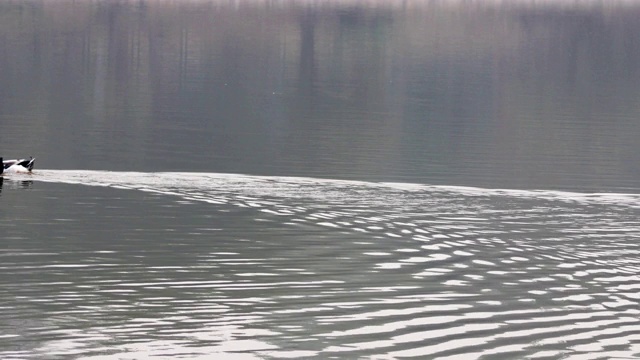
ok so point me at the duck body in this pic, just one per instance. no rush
(17, 165)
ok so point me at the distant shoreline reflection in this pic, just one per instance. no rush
(422, 92)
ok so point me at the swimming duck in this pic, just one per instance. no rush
(17, 166)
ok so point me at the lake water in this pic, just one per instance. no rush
(327, 179)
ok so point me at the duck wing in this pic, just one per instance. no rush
(26, 163)
(8, 163)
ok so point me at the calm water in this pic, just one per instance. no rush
(274, 179)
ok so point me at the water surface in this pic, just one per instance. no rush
(267, 267)
(329, 179)
(512, 95)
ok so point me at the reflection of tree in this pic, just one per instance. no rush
(135, 83)
(306, 76)
(582, 49)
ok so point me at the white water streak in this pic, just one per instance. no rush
(171, 183)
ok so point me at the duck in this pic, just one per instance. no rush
(17, 166)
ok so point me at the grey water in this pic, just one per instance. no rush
(327, 179)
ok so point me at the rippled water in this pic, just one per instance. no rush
(440, 118)
(283, 267)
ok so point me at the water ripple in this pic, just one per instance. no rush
(322, 268)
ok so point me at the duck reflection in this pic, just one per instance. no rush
(14, 184)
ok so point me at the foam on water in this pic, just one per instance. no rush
(171, 183)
